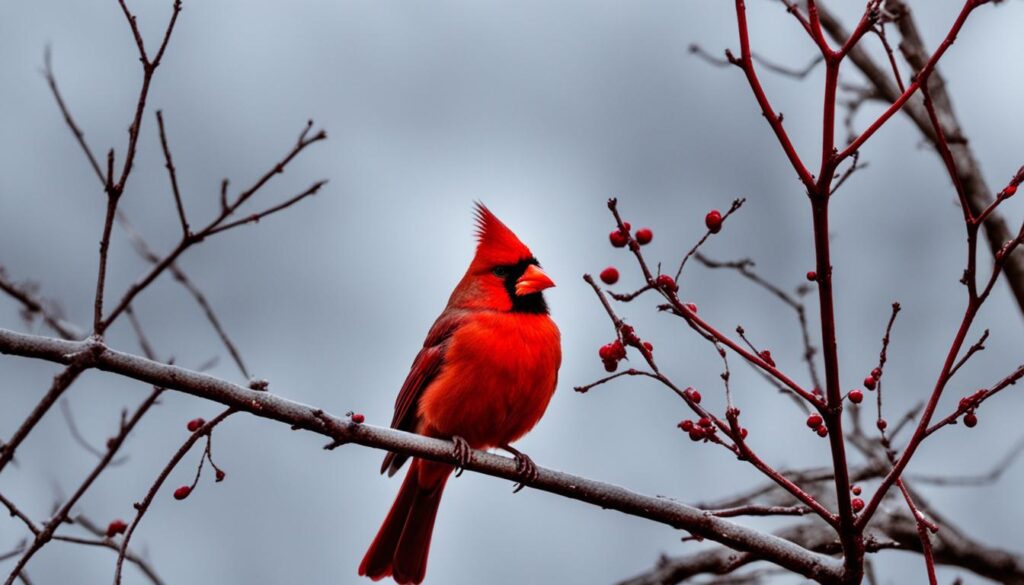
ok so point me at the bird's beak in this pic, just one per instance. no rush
(532, 281)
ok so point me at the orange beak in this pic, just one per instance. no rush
(532, 281)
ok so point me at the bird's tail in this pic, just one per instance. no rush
(403, 541)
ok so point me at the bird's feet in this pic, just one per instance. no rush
(462, 453)
(526, 469)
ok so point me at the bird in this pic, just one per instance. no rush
(484, 377)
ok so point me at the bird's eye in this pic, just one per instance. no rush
(500, 271)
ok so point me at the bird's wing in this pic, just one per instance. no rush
(425, 368)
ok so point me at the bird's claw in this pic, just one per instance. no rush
(526, 469)
(462, 453)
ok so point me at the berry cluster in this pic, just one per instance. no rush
(871, 381)
(699, 430)
(856, 503)
(620, 237)
(817, 424)
(693, 395)
(611, 354)
(968, 405)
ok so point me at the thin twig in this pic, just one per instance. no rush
(69, 418)
(147, 253)
(36, 306)
(173, 175)
(143, 506)
(46, 532)
(736, 204)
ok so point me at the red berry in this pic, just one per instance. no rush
(618, 350)
(812, 275)
(691, 308)
(686, 425)
(704, 422)
(195, 424)
(605, 353)
(610, 275)
(358, 418)
(696, 433)
(693, 395)
(644, 236)
(870, 382)
(610, 365)
(714, 221)
(814, 421)
(970, 420)
(626, 227)
(618, 239)
(881, 424)
(116, 527)
(1008, 191)
(182, 492)
(220, 475)
(856, 490)
(648, 346)
(858, 504)
(856, 396)
(666, 282)
(876, 373)
(822, 431)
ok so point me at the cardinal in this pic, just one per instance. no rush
(483, 379)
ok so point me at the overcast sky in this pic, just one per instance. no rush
(542, 110)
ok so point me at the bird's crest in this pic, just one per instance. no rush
(496, 244)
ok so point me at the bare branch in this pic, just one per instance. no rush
(256, 217)
(994, 474)
(782, 70)
(173, 175)
(69, 418)
(36, 306)
(60, 383)
(46, 533)
(143, 506)
(103, 541)
(267, 405)
(51, 80)
(971, 177)
(745, 268)
(147, 253)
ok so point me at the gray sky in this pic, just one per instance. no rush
(542, 111)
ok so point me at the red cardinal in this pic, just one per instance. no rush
(484, 377)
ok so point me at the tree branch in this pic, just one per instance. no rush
(978, 193)
(344, 430)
